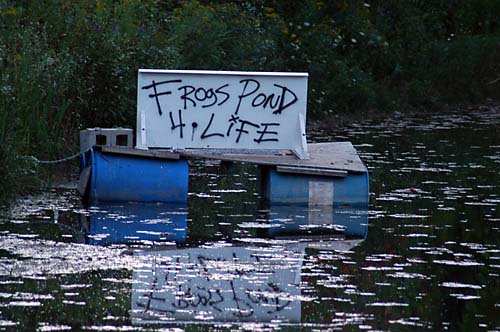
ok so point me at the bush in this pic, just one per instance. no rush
(464, 68)
(224, 37)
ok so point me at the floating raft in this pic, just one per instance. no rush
(333, 175)
(336, 159)
(213, 110)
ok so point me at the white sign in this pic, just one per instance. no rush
(230, 284)
(222, 110)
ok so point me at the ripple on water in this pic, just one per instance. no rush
(387, 304)
(411, 321)
(408, 216)
(48, 327)
(42, 257)
(408, 275)
(464, 263)
(8, 323)
(465, 297)
(459, 285)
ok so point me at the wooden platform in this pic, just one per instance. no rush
(328, 159)
(336, 159)
(157, 154)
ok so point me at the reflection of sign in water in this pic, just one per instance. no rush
(220, 284)
(236, 110)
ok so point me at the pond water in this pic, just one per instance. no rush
(424, 255)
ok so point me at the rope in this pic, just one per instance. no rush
(55, 161)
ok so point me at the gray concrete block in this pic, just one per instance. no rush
(90, 137)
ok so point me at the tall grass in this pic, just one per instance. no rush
(65, 66)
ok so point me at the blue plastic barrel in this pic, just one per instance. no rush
(118, 177)
(285, 188)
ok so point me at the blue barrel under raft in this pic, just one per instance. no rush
(111, 177)
(352, 188)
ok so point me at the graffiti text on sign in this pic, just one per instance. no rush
(277, 102)
(259, 132)
(250, 96)
(190, 95)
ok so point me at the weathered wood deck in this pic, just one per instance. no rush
(153, 153)
(330, 159)
(335, 159)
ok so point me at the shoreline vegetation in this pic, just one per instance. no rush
(68, 65)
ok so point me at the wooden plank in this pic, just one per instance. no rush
(330, 156)
(335, 155)
(312, 171)
(160, 154)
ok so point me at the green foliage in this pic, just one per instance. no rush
(67, 65)
(223, 37)
(466, 68)
(33, 84)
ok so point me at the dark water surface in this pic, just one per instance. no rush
(424, 255)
